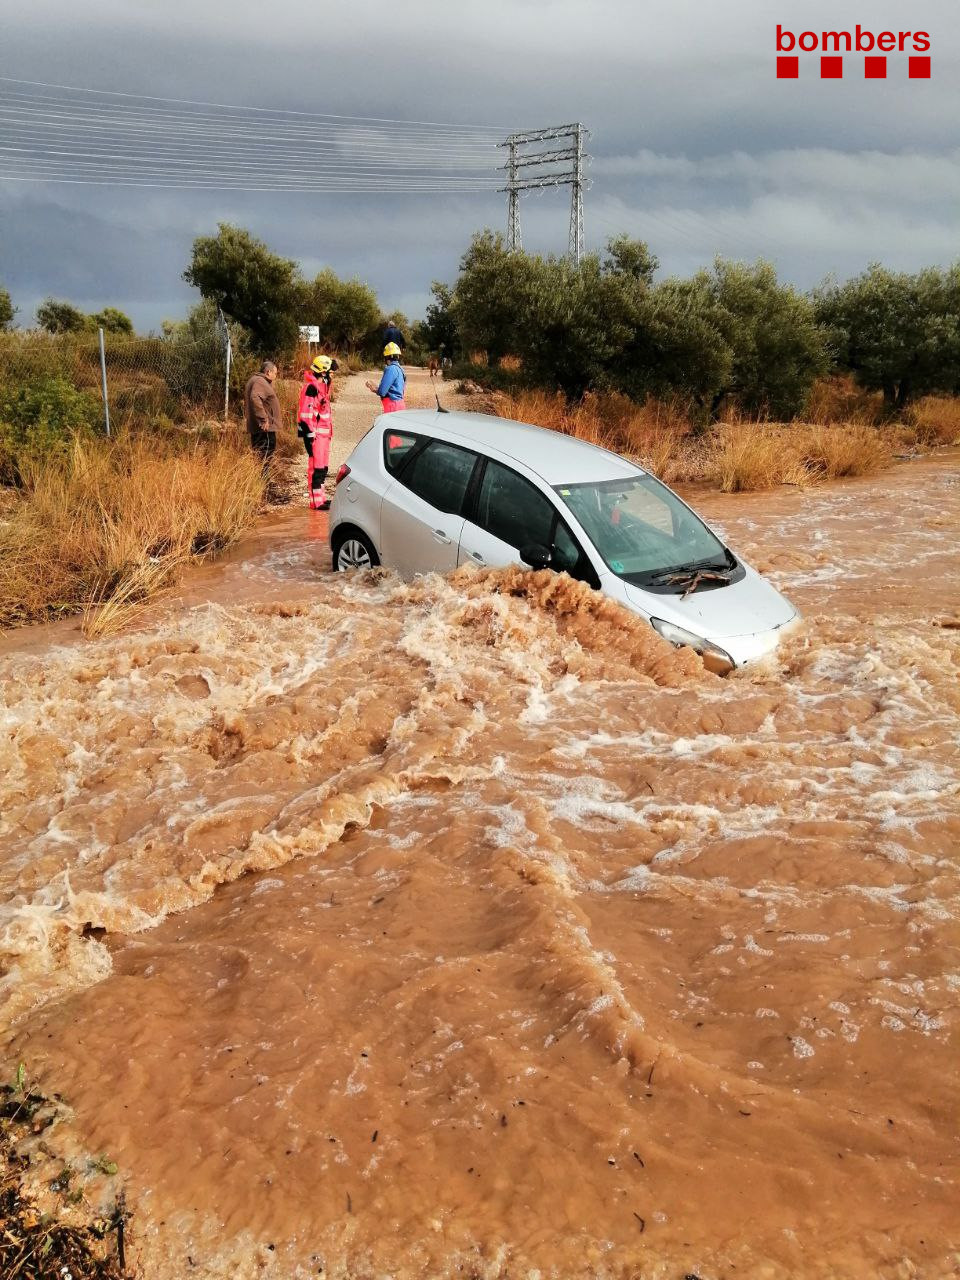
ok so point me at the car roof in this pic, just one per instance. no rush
(556, 458)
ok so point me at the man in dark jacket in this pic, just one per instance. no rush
(392, 334)
(262, 409)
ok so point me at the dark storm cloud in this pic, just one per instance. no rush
(698, 148)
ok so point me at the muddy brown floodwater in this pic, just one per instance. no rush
(463, 928)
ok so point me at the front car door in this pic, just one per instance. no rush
(509, 513)
(421, 517)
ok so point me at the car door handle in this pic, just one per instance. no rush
(442, 537)
(476, 557)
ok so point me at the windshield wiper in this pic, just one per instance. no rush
(694, 575)
(677, 572)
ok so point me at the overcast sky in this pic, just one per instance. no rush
(696, 146)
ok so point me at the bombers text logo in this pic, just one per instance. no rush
(832, 45)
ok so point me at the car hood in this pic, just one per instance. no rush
(743, 608)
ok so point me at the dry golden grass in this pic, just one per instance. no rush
(118, 604)
(742, 457)
(842, 449)
(108, 526)
(749, 456)
(656, 433)
(839, 399)
(928, 423)
(935, 420)
(734, 456)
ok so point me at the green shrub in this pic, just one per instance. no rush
(490, 377)
(40, 418)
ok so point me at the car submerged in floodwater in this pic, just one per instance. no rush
(427, 491)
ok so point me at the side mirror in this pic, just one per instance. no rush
(537, 556)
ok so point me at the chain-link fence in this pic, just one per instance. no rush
(185, 376)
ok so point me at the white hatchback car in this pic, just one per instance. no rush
(425, 492)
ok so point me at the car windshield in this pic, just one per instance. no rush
(642, 531)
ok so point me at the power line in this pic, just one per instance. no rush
(97, 140)
(63, 114)
(175, 181)
(281, 111)
(26, 117)
(213, 162)
(81, 147)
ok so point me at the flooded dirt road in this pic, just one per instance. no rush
(464, 928)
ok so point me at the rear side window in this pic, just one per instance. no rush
(439, 474)
(512, 509)
(396, 446)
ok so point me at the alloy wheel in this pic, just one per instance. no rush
(353, 555)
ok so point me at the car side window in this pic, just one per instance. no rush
(512, 509)
(568, 557)
(566, 553)
(396, 447)
(439, 474)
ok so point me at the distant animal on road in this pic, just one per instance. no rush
(434, 366)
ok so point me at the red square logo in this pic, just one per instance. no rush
(875, 68)
(831, 68)
(788, 68)
(920, 68)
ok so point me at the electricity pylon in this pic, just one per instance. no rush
(531, 170)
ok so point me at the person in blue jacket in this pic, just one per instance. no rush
(392, 383)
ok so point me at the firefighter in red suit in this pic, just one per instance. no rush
(315, 427)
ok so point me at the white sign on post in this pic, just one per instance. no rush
(309, 333)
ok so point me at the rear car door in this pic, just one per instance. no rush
(509, 513)
(422, 513)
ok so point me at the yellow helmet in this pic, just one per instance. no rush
(391, 349)
(322, 364)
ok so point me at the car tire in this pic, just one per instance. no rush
(352, 549)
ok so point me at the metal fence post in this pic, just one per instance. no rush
(222, 323)
(226, 388)
(103, 382)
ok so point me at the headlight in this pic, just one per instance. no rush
(714, 658)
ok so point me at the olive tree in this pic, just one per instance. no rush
(568, 324)
(778, 350)
(345, 310)
(111, 321)
(57, 316)
(680, 349)
(897, 333)
(731, 332)
(490, 296)
(438, 330)
(253, 286)
(7, 309)
(578, 321)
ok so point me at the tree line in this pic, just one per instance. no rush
(268, 296)
(260, 292)
(57, 316)
(730, 333)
